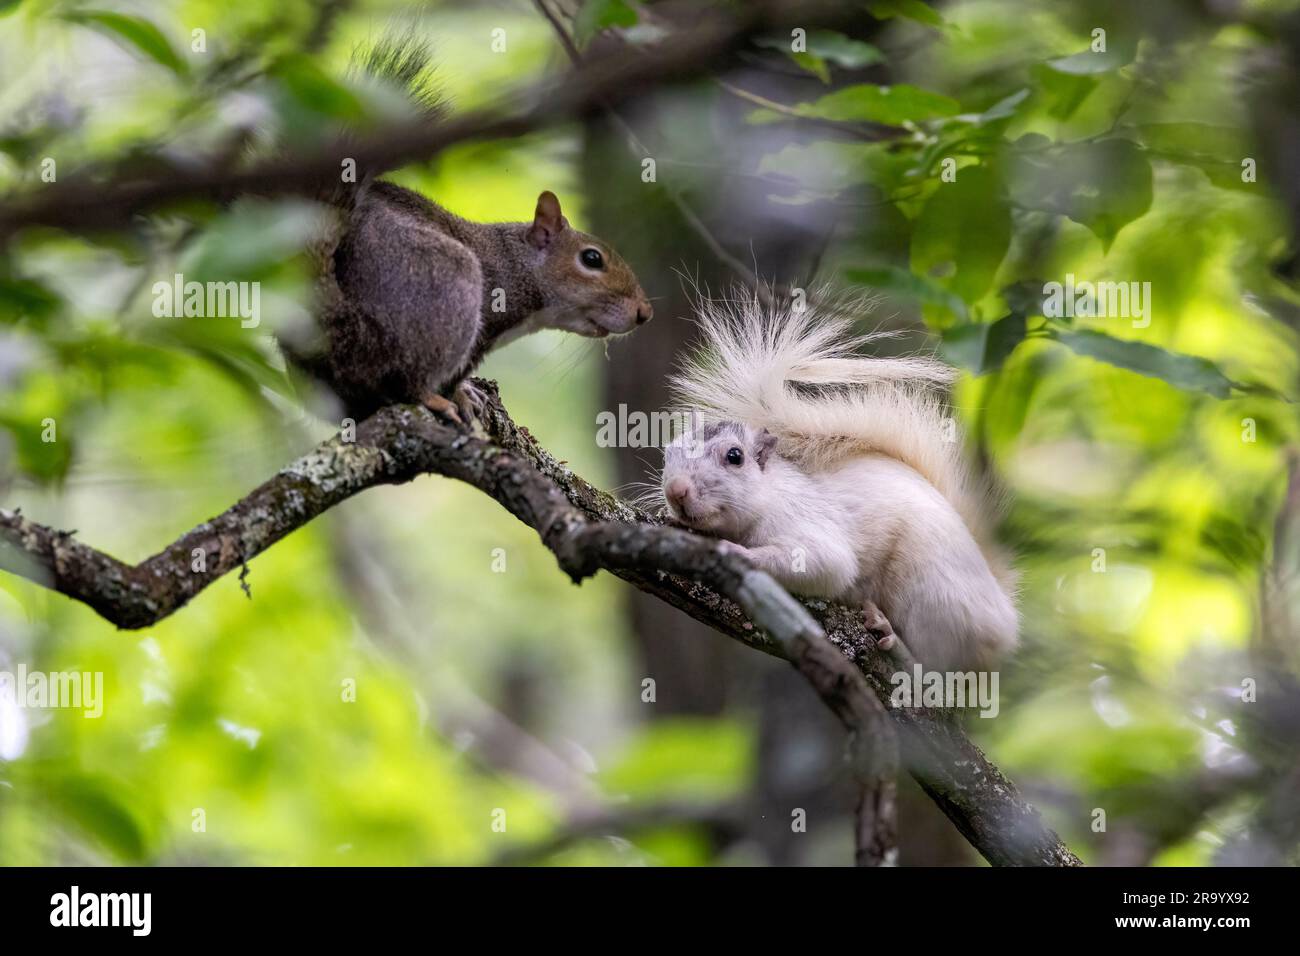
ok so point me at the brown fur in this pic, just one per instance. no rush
(410, 304)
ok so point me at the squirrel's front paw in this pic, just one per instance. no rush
(730, 547)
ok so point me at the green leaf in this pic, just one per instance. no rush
(813, 64)
(26, 299)
(1189, 372)
(103, 810)
(892, 105)
(684, 757)
(135, 32)
(822, 46)
(1003, 337)
(1090, 62)
(220, 343)
(1032, 142)
(908, 9)
(1004, 108)
(252, 240)
(1026, 297)
(1062, 93)
(1243, 547)
(1103, 185)
(983, 346)
(908, 284)
(45, 462)
(23, 145)
(1197, 139)
(314, 88)
(597, 15)
(1215, 150)
(843, 51)
(963, 233)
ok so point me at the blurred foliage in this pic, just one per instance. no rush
(1020, 153)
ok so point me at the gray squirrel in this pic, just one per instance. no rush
(840, 475)
(411, 297)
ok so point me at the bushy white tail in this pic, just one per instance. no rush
(801, 375)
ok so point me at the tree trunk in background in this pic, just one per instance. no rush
(706, 152)
(694, 672)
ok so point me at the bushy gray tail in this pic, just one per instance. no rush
(404, 61)
(402, 64)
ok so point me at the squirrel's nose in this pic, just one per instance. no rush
(677, 490)
(644, 313)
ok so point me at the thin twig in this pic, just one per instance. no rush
(873, 132)
(761, 288)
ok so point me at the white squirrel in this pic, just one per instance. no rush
(841, 475)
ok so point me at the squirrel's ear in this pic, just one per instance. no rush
(548, 221)
(763, 446)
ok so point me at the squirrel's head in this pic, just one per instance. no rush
(714, 477)
(587, 288)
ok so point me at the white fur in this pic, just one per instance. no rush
(867, 489)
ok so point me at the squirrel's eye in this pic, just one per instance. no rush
(592, 259)
(735, 456)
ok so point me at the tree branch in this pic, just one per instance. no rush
(587, 530)
(83, 202)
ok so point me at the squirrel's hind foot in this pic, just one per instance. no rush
(874, 620)
(470, 400)
(443, 407)
(465, 407)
